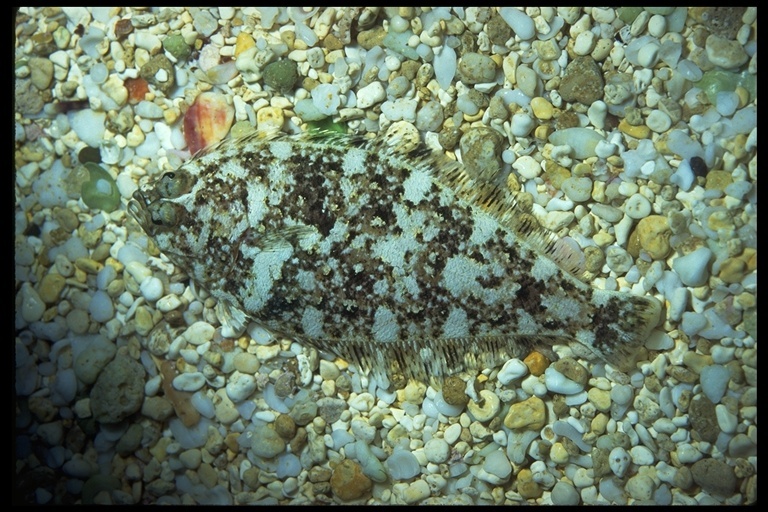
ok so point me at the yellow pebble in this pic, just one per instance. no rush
(638, 132)
(542, 108)
(244, 42)
(743, 95)
(542, 132)
(270, 119)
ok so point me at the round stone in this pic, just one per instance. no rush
(577, 189)
(714, 476)
(240, 386)
(50, 287)
(488, 407)
(245, 362)
(658, 121)
(475, 68)
(348, 481)
(437, 450)
(637, 206)
(542, 108)
(652, 235)
(618, 461)
(267, 443)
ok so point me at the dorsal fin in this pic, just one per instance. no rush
(496, 201)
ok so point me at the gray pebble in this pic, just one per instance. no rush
(475, 68)
(267, 443)
(564, 494)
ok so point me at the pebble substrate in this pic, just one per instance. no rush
(632, 131)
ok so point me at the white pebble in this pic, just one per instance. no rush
(512, 369)
(688, 454)
(577, 189)
(168, 303)
(199, 333)
(371, 94)
(522, 124)
(556, 382)
(519, 21)
(714, 381)
(437, 450)
(585, 43)
(240, 386)
(692, 268)
(452, 433)
(497, 464)
(658, 121)
(640, 487)
(32, 306)
(489, 409)
(101, 308)
(618, 461)
(725, 419)
(641, 455)
(637, 206)
(527, 167)
(362, 402)
(648, 55)
(189, 381)
(151, 288)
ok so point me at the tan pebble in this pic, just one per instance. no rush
(246, 363)
(526, 487)
(638, 132)
(208, 476)
(542, 108)
(536, 363)
(743, 95)
(50, 287)
(348, 481)
(270, 119)
(732, 270)
(88, 265)
(529, 414)
(653, 236)
(542, 132)
(487, 408)
(144, 321)
(718, 180)
(600, 399)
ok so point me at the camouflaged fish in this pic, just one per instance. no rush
(396, 262)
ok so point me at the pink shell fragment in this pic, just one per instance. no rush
(207, 121)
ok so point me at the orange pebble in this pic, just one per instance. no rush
(536, 363)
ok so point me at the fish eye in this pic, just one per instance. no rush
(173, 184)
(165, 213)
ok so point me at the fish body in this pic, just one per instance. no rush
(395, 261)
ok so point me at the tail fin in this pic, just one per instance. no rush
(622, 322)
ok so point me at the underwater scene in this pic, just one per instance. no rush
(385, 256)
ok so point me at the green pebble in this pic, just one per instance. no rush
(176, 46)
(327, 125)
(101, 190)
(716, 80)
(281, 75)
(628, 14)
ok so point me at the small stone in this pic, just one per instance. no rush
(732, 270)
(243, 42)
(639, 131)
(416, 491)
(637, 206)
(266, 442)
(149, 72)
(281, 75)
(437, 450)
(240, 386)
(652, 235)
(577, 189)
(454, 391)
(693, 268)
(285, 426)
(526, 487)
(348, 481)
(512, 369)
(118, 391)
(703, 418)
(270, 119)
(371, 94)
(582, 81)
(714, 476)
(725, 53)
(245, 362)
(50, 287)
(42, 72)
(205, 23)
(572, 369)
(601, 399)
(537, 363)
(640, 487)
(563, 493)
(530, 414)
(618, 461)
(475, 68)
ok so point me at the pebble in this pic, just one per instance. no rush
(205, 23)
(240, 386)
(658, 121)
(403, 464)
(348, 481)
(512, 369)
(487, 408)
(371, 94)
(582, 81)
(475, 68)
(542, 108)
(577, 189)
(637, 206)
(189, 381)
(714, 381)
(640, 487)
(641, 455)
(563, 493)
(618, 461)
(714, 476)
(530, 414)
(725, 53)
(693, 267)
(92, 359)
(416, 491)
(653, 234)
(245, 362)
(519, 21)
(497, 464)
(268, 443)
(118, 391)
(437, 450)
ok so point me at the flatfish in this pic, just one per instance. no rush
(392, 259)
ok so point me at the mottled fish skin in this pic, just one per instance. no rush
(395, 262)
